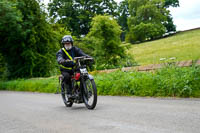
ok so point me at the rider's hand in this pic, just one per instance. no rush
(72, 62)
(69, 62)
(62, 62)
(92, 59)
(89, 57)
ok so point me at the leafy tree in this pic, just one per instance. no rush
(10, 32)
(169, 23)
(172, 3)
(28, 42)
(77, 15)
(104, 39)
(2, 67)
(146, 18)
(40, 40)
(123, 17)
(123, 11)
(60, 31)
(146, 31)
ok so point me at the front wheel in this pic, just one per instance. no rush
(89, 93)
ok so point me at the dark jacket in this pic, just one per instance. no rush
(73, 52)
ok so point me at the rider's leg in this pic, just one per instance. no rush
(67, 82)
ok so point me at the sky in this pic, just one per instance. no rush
(185, 17)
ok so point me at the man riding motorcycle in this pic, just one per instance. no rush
(65, 57)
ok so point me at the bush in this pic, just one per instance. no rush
(105, 38)
(104, 43)
(143, 32)
(171, 81)
(2, 68)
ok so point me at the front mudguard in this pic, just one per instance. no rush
(90, 77)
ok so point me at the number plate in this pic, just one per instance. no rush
(84, 70)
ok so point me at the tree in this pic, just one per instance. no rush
(123, 12)
(2, 67)
(28, 42)
(77, 15)
(104, 37)
(172, 3)
(169, 23)
(10, 32)
(146, 20)
(123, 17)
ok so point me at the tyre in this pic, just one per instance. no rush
(64, 96)
(89, 93)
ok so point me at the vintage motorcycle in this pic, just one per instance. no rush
(83, 85)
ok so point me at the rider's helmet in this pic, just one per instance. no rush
(67, 38)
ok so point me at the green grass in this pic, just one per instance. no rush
(47, 85)
(170, 81)
(182, 46)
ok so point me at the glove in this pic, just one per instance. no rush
(89, 57)
(72, 63)
(67, 63)
(62, 62)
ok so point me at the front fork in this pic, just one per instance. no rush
(84, 85)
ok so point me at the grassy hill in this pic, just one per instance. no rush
(181, 46)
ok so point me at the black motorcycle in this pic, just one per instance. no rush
(83, 86)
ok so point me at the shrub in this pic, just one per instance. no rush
(104, 43)
(170, 81)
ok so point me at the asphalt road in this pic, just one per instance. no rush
(24, 112)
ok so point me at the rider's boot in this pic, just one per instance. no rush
(69, 91)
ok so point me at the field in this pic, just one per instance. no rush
(180, 47)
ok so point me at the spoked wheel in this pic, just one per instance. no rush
(89, 93)
(64, 96)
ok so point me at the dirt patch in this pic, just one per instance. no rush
(155, 66)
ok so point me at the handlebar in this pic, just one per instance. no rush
(83, 58)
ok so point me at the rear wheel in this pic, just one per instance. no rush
(64, 96)
(89, 93)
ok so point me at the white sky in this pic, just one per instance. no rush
(185, 17)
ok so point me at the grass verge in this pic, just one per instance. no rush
(167, 82)
(47, 85)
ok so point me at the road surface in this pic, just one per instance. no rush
(25, 112)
